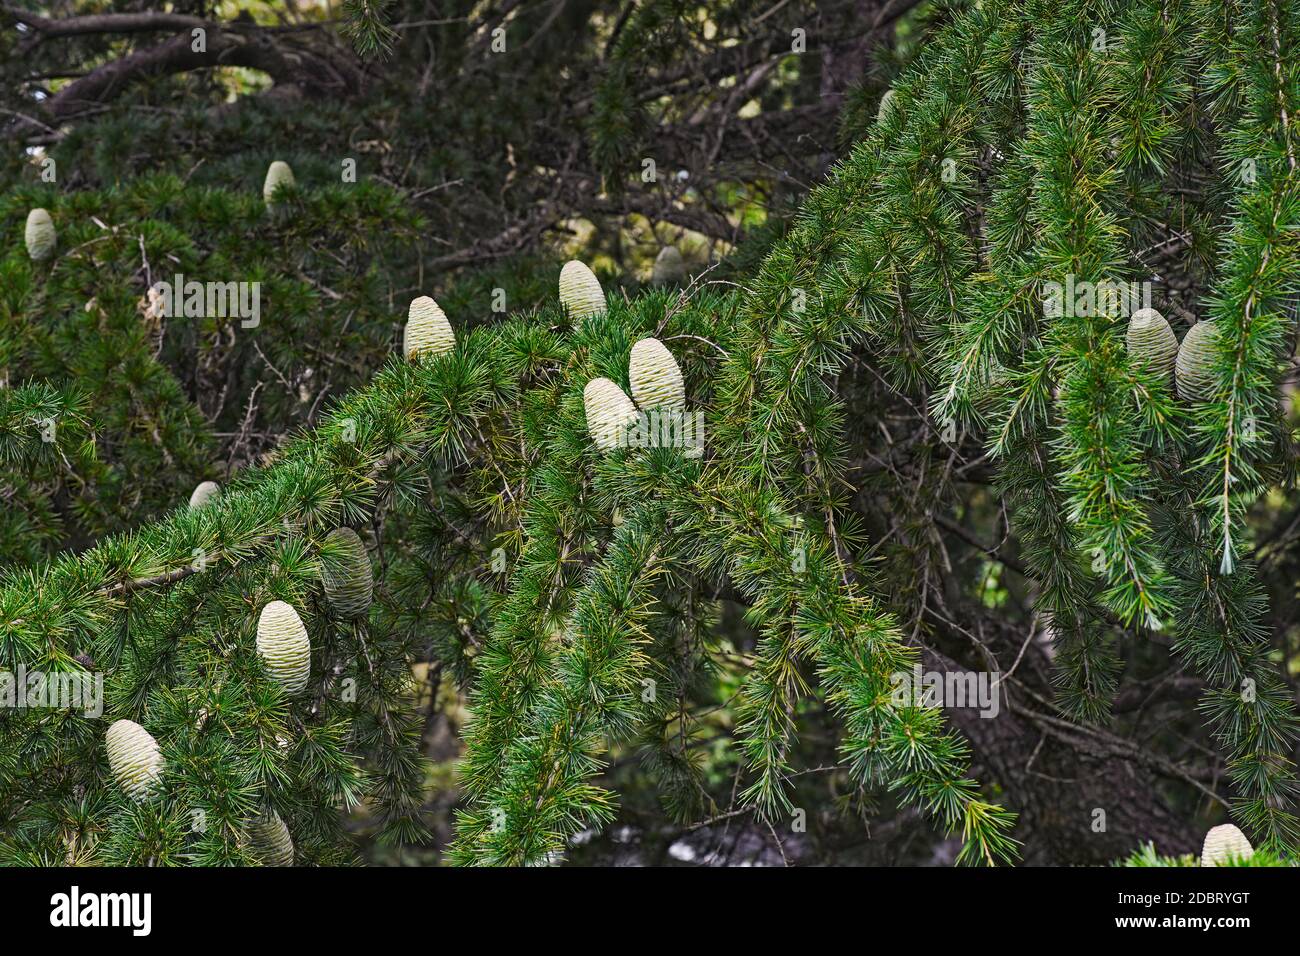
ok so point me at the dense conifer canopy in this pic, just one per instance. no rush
(500, 553)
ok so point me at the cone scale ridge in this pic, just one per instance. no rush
(133, 757)
(277, 175)
(272, 844)
(655, 376)
(1194, 366)
(1223, 843)
(206, 492)
(347, 576)
(669, 267)
(580, 291)
(284, 646)
(886, 104)
(609, 413)
(40, 235)
(1150, 341)
(427, 330)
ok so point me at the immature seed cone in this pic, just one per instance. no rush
(1195, 361)
(134, 758)
(205, 492)
(609, 412)
(272, 844)
(283, 644)
(1152, 342)
(1224, 842)
(347, 576)
(886, 104)
(669, 267)
(427, 330)
(279, 174)
(40, 235)
(580, 291)
(656, 379)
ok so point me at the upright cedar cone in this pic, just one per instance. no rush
(133, 757)
(656, 379)
(609, 413)
(669, 267)
(1195, 363)
(580, 291)
(1225, 842)
(1152, 342)
(283, 644)
(427, 330)
(272, 844)
(279, 174)
(347, 576)
(886, 104)
(205, 492)
(40, 235)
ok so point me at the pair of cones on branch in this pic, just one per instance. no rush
(348, 581)
(42, 238)
(136, 763)
(656, 381)
(429, 333)
(1151, 341)
(347, 576)
(583, 297)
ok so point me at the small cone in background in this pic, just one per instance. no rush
(205, 492)
(1194, 366)
(609, 412)
(580, 291)
(133, 757)
(272, 844)
(40, 235)
(283, 644)
(427, 330)
(348, 578)
(669, 268)
(277, 175)
(886, 104)
(1152, 342)
(656, 378)
(1225, 842)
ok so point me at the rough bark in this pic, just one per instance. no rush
(1057, 776)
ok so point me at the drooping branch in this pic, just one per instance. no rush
(48, 29)
(296, 58)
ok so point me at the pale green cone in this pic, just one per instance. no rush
(427, 330)
(1195, 361)
(1151, 342)
(1223, 843)
(277, 175)
(205, 492)
(284, 646)
(580, 291)
(40, 235)
(272, 844)
(347, 577)
(609, 413)
(886, 104)
(133, 757)
(655, 376)
(669, 267)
